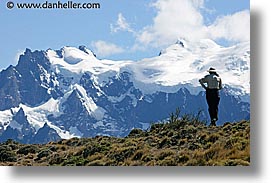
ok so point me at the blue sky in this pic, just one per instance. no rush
(121, 29)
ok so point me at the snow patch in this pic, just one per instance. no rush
(180, 65)
(90, 105)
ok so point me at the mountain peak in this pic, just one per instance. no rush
(70, 55)
(46, 134)
(86, 50)
(208, 44)
(181, 42)
(199, 44)
(27, 51)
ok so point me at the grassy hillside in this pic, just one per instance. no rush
(181, 142)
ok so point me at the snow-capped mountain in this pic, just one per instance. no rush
(69, 93)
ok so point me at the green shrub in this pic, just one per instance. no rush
(147, 157)
(74, 161)
(196, 162)
(53, 148)
(229, 144)
(165, 153)
(202, 138)
(183, 142)
(210, 154)
(120, 154)
(136, 133)
(28, 149)
(168, 161)
(7, 155)
(92, 149)
(156, 127)
(72, 142)
(213, 138)
(56, 159)
(174, 116)
(183, 158)
(170, 133)
(43, 153)
(174, 141)
(193, 146)
(191, 129)
(138, 155)
(165, 142)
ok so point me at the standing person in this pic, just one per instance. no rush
(214, 84)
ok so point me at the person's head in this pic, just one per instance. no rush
(212, 70)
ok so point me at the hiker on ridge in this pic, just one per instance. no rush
(214, 84)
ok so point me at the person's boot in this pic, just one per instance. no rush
(213, 122)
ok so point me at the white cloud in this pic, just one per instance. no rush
(175, 18)
(183, 19)
(179, 19)
(103, 48)
(234, 27)
(17, 56)
(121, 25)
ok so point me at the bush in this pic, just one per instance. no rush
(138, 155)
(53, 148)
(72, 142)
(28, 149)
(211, 153)
(229, 144)
(213, 138)
(136, 133)
(120, 154)
(165, 153)
(95, 148)
(55, 159)
(191, 130)
(165, 142)
(43, 153)
(156, 127)
(183, 158)
(10, 141)
(168, 161)
(193, 146)
(75, 161)
(147, 157)
(6, 155)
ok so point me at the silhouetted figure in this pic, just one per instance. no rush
(213, 85)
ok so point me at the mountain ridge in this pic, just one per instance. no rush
(73, 92)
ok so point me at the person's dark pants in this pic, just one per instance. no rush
(213, 99)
